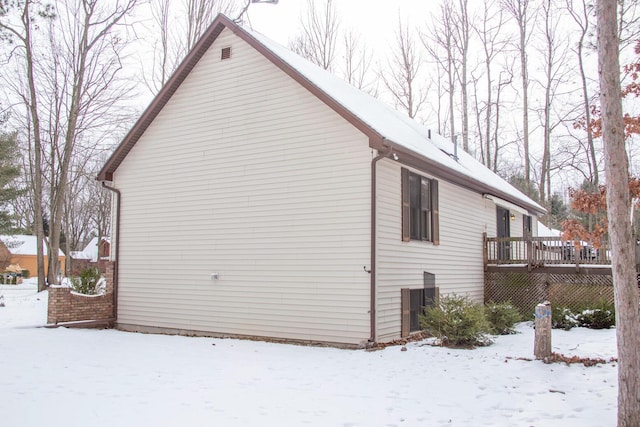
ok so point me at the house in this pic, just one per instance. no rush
(23, 249)
(260, 196)
(92, 252)
(90, 256)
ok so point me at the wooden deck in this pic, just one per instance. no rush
(549, 253)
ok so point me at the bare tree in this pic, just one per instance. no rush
(505, 79)
(164, 61)
(489, 32)
(179, 24)
(92, 62)
(437, 81)
(580, 14)
(618, 203)
(628, 23)
(462, 30)
(320, 32)
(73, 86)
(439, 44)
(357, 63)
(21, 31)
(520, 11)
(553, 51)
(401, 79)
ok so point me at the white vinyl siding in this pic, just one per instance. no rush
(457, 261)
(244, 173)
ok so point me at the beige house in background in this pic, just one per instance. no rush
(23, 252)
(260, 196)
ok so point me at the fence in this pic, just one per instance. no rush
(526, 289)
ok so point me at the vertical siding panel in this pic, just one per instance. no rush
(245, 174)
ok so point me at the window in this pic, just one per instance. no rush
(419, 208)
(414, 301)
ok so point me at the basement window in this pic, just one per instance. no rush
(225, 53)
(414, 301)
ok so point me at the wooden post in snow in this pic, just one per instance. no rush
(542, 344)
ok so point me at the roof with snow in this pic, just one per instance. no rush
(22, 244)
(90, 251)
(544, 231)
(388, 130)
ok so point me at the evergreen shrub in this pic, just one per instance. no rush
(86, 283)
(457, 322)
(502, 317)
(563, 318)
(602, 316)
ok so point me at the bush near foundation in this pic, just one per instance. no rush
(502, 317)
(563, 318)
(457, 322)
(601, 315)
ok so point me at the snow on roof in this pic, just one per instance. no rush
(544, 231)
(22, 244)
(379, 121)
(91, 250)
(80, 255)
(397, 128)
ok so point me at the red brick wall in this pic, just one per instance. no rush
(65, 306)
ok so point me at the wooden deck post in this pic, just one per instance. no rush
(529, 245)
(542, 344)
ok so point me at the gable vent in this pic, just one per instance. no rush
(225, 53)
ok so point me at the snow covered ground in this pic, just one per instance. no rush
(74, 377)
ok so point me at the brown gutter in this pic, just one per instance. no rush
(117, 245)
(372, 308)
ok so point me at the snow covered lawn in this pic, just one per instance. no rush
(74, 377)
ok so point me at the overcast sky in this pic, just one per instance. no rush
(376, 20)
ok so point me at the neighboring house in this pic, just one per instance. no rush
(92, 252)
(90, 256)
(259, 195)
(23, 251)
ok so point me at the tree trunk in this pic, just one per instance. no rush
(464, 30)
(37, 146)
(525, 109)
(618, 202)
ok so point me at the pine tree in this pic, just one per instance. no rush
(9, 172)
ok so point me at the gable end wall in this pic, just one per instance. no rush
(246, 175)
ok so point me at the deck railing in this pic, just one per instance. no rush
(539, 251)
